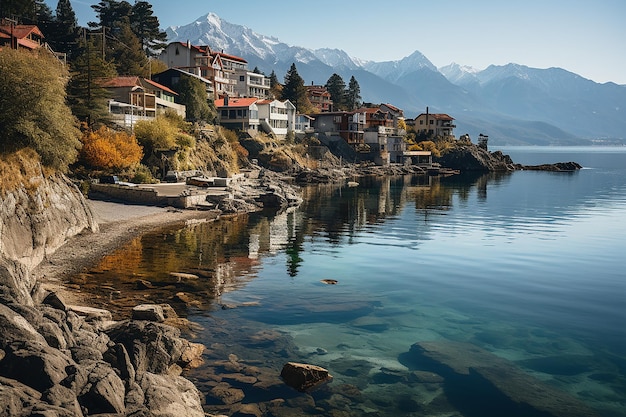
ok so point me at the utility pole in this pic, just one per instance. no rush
(13, 38)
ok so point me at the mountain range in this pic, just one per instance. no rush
(513, 104)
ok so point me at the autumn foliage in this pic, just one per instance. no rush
(108, 149)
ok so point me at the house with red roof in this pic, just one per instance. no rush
(20, 36)
(435, 124)
(134, 98)
(228, 74)
(239, 114)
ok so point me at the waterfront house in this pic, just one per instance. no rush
(239, 114)
(172, 76)
(304, 124)
(435, 124)
(396, 112)
(251, 84)
(134, 98)
(277, 117)
(348, 125)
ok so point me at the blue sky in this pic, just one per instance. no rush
(585, 37)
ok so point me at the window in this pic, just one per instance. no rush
(242, 78)
(421, 122)
(431, 122)
(177, 52)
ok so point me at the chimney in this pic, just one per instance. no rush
(226, 100)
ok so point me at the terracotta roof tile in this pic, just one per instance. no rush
(237, 102)
(160, 86)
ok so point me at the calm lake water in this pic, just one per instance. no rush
(529, 266)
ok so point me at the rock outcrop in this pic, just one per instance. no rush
(35, 220)
(475, 158)
(470, 157)
(72, 361)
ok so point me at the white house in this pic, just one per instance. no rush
(277, 117)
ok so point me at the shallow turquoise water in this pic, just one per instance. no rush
(528, 266)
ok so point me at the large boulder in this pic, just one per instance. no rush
(170, 396)
(98, 387)
(38, 217)
(46, 366)
(155, 347)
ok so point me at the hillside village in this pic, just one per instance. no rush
(246, 102)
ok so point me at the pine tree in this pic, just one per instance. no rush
(125, 50)
(337, 89)
(295, 91)
(353, 94)
(16, 9)
(63, 35)
(145, 26)
(112, 14)
(86, 98)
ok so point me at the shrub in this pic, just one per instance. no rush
(142, 175)
(110, 150)
(157, 134)
(33, 109)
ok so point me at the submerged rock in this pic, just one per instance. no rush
(475, 370)
(304, 377)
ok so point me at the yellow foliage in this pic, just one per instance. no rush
(429, 145)
(109, 149)
(401, 124)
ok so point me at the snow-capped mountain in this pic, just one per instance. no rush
(516, 104)
(238, 40)
(394, 70)
(459, 74)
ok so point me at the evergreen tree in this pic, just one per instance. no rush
(86, 98)
(295, 91)
(145, 26)
(125, 50)
(276, 88)
(193, 95)
(16, 9)
(29, 12)
(353, 94)
(63, 34)
(112, 14)
(337, 89)
(43, 13)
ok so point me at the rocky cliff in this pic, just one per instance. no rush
(37, 215)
